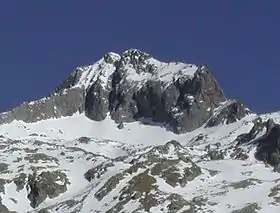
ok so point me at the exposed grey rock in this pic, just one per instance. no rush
(85, 140)
(20, 181)
(239, 154)
(4, 209)
(108, 186)
(2, 185)
(70, 81)
(268, 146)
(45, 185)
(37, 157)
(269, 125)
(6, 117)
(196, 204)
(213, 152)
(183, 105)
(274, 191)
(55, 106)
(257, 128)
(97, 171)
(177, 202)
(245, 183)
(68, 103)
(121, 125)
(4, 168)
(139, 188)
(250, 208)
(216, 154)
(229, 113)
(43, 211)
(143, 169)
(96, 102)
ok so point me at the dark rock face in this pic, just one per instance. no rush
(259, 125)
(68, 82)
(128, 87)
(97, 171)
(55, 106)
(45, 185)
(268, 142)
(96, 102)
(268, 146)
(249, 208)
(183, 105)
(4, 209)
(121, 125)
(177, 202)
(206, 95)
(229, 113)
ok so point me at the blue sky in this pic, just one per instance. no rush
(41, 42)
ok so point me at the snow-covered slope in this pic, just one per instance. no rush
(75, 164)
(104, 68)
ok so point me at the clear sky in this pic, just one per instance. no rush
(41, 42)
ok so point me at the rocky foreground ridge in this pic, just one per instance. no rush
(134, 134)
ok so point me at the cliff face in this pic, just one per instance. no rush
(135, 86)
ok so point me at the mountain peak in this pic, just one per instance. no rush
(129, 55)
(111, 57)
(130, 133)
(135, 53)
(131, 86)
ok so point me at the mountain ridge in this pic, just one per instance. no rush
(130, 86)
(133, 134)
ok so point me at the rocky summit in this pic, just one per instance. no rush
(133, 134)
